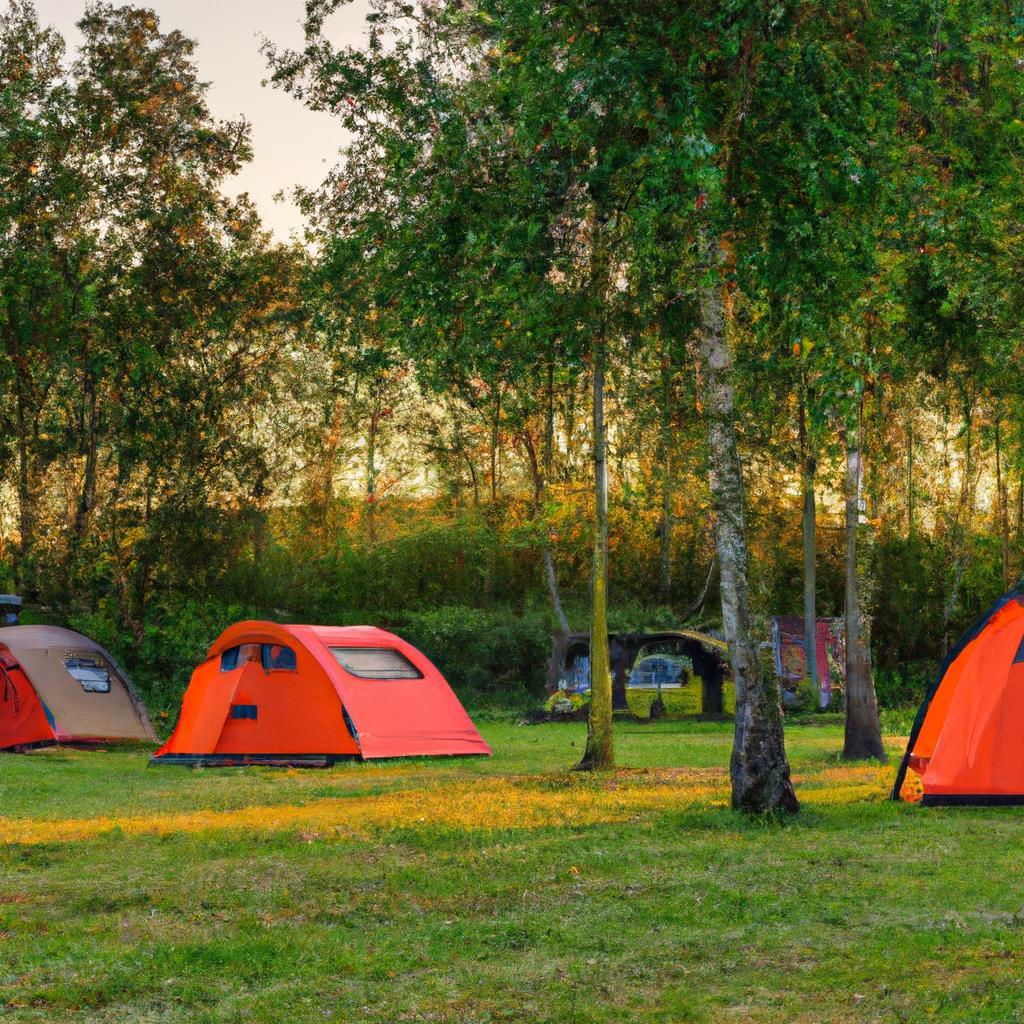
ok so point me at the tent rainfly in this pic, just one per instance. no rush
(311, 695)
(58, 686)
(965, 746)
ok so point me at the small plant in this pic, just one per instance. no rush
(563, 704)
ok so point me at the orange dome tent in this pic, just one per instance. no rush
(58, 686)
(965, 746)
(309, 695)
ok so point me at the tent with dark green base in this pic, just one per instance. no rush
(966, 743)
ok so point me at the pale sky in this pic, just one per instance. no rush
(292, 145)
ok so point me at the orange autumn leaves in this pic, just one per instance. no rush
(465, 805)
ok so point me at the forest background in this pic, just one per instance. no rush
(393, 419)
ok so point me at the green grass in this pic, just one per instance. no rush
(681, 911)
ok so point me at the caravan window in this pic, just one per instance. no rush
(89, 672)
(375, 663)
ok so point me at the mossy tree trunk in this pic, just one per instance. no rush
(600, 750)
(807, 469)
(667, 478)
(550, 572)
(759, 768)
(863, 738)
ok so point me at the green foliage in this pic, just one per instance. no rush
(489, 657)
(197, 425)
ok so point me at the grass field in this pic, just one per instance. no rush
(500, 890)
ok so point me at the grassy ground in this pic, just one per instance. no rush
(500, 890)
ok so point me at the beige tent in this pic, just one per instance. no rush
(58, 686)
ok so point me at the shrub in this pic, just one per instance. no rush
(493, 657)
(905, 685)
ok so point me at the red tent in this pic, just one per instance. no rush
(276, 694)
(965, 746)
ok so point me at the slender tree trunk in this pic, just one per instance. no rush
(759, 768)
(809, 524)
(1004, 512)
(963, 525)
(495, 423)
(910, 476)
(1019, 525)
(863, 737)
(1020, 509)
(667, 480)
(24, 575)
(370, 508)
(600, 751)
(570, 429)
(550, 573)
(87, 498)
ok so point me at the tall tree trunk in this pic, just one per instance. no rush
(667, 480)
(759, 768)
(863, 737)
(550, 573)
(1019, 529)
(1004, 512)
(1019, 525)
(910, 476)
(809, 524)
(24, 576)
(495, 424)
(963, 524)
(370, 508)
(600, 752)
(87, 497)
(321, 485)
(539, 484)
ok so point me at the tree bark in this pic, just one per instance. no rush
(87, 498)
(24, 575)
(539, 484)
(1020, 509)
(495, 424)
(863, 738)
(1004, 511)
(550, 573)
(963, 524)
(759, 768)
(667, 481)
(370, 508)
(600, 752)
(809, 525)
(910, 477)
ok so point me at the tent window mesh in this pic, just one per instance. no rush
(375, 663)
(272, 657)
(278, 658)
(237, 657)
(91, 674)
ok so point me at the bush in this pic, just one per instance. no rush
(905, 685)
(897, 721)
(493, 657)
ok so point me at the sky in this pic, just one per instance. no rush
(292, 145)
